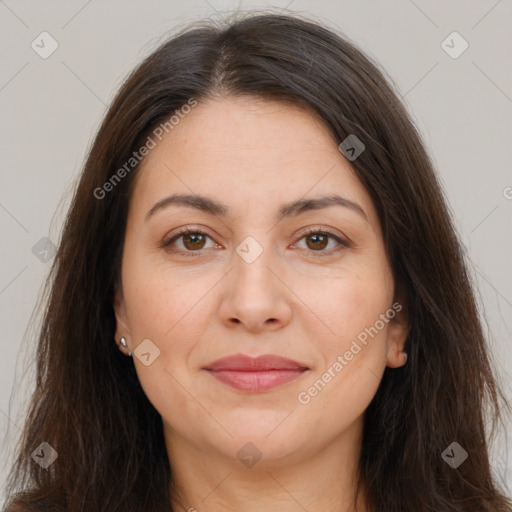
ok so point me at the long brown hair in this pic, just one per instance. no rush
(88, 403)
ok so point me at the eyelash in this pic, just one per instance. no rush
(166, 244)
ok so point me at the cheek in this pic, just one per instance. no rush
(353, 355)
(160, 300)
(173, 309)
(346, 305)
(165, 306)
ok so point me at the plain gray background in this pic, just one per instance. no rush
(51, 108)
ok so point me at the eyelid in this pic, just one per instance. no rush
(323, 230)
(341, 240)
(184, 231)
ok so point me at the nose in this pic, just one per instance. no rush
(255, 295)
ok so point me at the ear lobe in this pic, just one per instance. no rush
(398, 331)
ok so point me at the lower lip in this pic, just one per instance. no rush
(256, 381)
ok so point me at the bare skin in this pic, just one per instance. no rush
(199, 300)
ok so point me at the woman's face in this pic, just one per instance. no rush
(256, 283)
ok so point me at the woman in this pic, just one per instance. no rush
(259, 301)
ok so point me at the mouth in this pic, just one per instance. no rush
(258, 374)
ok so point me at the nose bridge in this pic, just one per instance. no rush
(254, 295)
(251, 263)
(250, 250)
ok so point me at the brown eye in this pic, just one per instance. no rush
(317, 241)
(188, 242)
(322, 243)
(194, 241)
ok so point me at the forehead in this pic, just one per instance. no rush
(248, 152)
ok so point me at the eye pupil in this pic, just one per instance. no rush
(194, 238)
(318, 239)
(194, 241)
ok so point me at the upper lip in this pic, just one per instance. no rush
(242, 362)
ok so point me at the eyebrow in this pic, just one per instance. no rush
(214, 207)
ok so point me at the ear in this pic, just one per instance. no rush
(398, 330)
(122, 326)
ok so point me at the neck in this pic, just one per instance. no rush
(324, 479)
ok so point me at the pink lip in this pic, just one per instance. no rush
(255, 374)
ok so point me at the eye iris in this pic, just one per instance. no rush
(194, 239)
(318, 239)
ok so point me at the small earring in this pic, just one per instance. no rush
(122, 341)
(405, 356)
